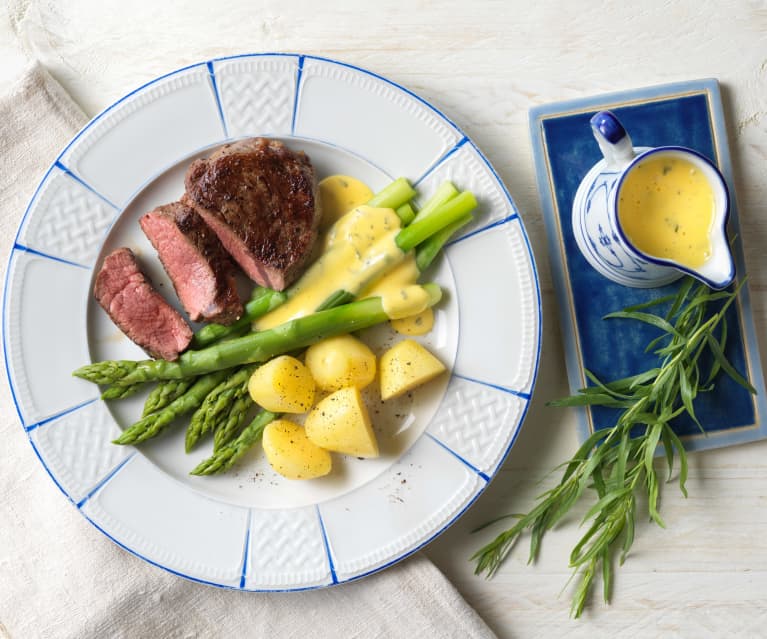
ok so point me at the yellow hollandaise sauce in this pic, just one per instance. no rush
(357, 250)
(418, 324)
(400, 296)
(666, 208)
(340, 194)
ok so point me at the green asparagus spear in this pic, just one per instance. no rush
(394, 195)
(444, 193)
(235, 418)
(252, 348)
(262, 300)
(226, 456)
(152, 425)
(164, 393)
(336, 299)
(119, 391)
(213, 410)
(405, 213)
(444, 215)
(428, 250)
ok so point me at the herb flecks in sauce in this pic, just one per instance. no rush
(666, 208)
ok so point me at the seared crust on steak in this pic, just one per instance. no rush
(138, 309)
(196, 262)
(262, 201)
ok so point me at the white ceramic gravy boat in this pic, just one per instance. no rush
(597, 227)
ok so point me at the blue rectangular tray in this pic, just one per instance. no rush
(686, 114)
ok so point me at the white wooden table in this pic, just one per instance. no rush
(485, 64)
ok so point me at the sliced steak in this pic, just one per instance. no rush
(138, 309)
(196, 262)
(262, 201)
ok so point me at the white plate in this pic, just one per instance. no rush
(248, 529)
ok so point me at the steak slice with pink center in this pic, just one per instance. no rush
(262, 201)
(196, 262)
(138, 309)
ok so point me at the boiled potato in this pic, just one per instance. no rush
(290, 452)
(282, 385)
(405, 366)
(338, 362)
(340, 422)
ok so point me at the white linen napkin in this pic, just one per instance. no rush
(60, 577)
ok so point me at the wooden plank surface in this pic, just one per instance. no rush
(485, 64)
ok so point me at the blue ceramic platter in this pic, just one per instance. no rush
(686, 114)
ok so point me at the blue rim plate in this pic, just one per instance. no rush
(249, 529)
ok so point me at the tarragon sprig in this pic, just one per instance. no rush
(615, 464)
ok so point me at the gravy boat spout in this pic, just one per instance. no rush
(718, 269)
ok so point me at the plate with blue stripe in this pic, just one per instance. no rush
(249, 528)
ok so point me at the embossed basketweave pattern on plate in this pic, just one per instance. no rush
(257, 95)
(286, 547)
(74, 222)
(79, 447)
(476, 421)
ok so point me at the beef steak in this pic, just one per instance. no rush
(138, 309)
(196, 262)
(262, 201)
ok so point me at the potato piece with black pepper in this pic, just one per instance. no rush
(291, 454)
(337, 362)
(341, 423)
(406, 365)
(283, 385)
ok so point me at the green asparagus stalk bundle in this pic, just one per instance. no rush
(164, 393)
(225, 432)
(227, 455)
(217, 406)
(153, 424)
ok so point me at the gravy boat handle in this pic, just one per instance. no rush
(613, 140)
